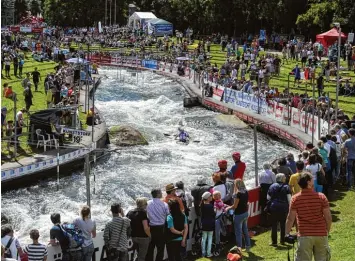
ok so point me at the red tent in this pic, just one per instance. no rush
(330, 37)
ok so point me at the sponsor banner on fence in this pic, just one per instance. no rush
(150, 64)
(54, 252)
(43, 165)
(25, 29)
(76, 132)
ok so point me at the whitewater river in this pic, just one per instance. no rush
(154, 106)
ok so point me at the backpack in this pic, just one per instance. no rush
(183, 199)
(73, 234)
(8, 253)
(235, 254)
(229, 192)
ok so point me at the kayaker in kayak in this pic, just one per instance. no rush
(183, 135)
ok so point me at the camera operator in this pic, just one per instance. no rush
(313, 219)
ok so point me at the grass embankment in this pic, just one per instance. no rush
(39, 103)
(341, 240)
(347, 104)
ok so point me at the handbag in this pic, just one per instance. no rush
(267, 208)
(112, 252)
(321, 180)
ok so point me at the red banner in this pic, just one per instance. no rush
(254, 208)
(15, 29)
(37, 30)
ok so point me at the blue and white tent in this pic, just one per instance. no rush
(159, 27)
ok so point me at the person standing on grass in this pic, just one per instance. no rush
(297, 72)
(240, 218)
(293, 183)
(320, 84)
(7, 61)
(20, 66)
(314, 221)
(279, 195)
(207, 223)
(349, 150)
(177, 229)
(157, 212)
(36, 251)
(36, 78)
(28, 96)
(15, 63)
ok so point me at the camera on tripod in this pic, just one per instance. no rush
(291, 239)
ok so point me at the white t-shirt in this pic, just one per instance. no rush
(313, 169)
(13, 247)
(86, 226)
(222, 189)
(19, 116)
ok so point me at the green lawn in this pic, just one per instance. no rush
(341, 240)
(39, 103)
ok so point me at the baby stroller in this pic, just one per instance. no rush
(196, 249)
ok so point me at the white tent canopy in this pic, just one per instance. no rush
(138, 18)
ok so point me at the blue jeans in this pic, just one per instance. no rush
(241, 227)
(317, 188)
(88, 252)
(206, 237)
(349, 171)
(217, 231)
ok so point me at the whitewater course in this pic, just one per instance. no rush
(153, 104)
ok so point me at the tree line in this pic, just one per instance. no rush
(232, 17)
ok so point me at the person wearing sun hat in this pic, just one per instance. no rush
(238, 169)
(170, 190)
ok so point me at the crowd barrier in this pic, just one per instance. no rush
(285, 114)
(54, 252)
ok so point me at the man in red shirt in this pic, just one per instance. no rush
(237, 171)
(313, 219)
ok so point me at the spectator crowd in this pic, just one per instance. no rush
(159, 222)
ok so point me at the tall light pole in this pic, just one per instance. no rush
(337, 25)
(110, 11)
(105, 12)
(115, 11)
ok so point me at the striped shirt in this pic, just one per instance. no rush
(115, 233)
(157, 211)
(309, 206)
(36, 252)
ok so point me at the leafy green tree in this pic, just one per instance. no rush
(21, 7)
(35, 7)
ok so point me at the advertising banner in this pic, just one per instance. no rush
(279, 112)
(37, 30)
(25, 29)
(161, 29)
(296, 118)
(150, 64)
